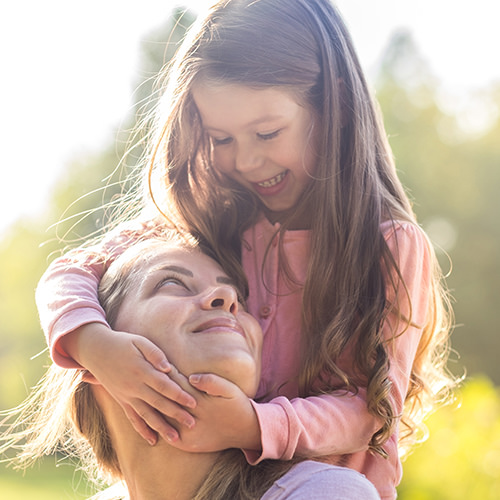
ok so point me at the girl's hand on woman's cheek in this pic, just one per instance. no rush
(224, 417)
(137, 374)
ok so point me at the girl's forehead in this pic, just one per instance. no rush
(240, 105)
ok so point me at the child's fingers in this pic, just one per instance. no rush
(171, 387)
(155, 405)
(140, 426)
(147, 420)
(153, 354)
(213, 385)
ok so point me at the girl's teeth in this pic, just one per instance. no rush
(272, 182)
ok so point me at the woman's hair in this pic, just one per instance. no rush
(62, 413)
(303, 47)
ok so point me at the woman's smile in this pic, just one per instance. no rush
(220, 324)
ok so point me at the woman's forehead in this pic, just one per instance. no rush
(189, 261)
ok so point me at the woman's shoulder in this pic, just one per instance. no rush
(311, 479)
(117, 491)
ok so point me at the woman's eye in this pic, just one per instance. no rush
(268, 137)
(171, 281)
(221, 142)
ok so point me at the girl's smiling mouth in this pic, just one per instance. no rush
(271, 186)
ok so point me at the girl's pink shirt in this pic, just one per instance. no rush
(336, 428)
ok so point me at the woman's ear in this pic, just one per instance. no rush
(89, 378)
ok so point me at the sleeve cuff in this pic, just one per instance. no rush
(66, 324)
(275, 431)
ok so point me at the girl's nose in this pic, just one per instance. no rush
(221, 297)
(247, 158)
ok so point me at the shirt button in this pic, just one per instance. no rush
(265, 312)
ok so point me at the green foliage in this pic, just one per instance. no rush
(47, 481)
(452, 175)
(461, 459)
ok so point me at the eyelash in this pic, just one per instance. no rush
(264, 137)
(268, 137)
(221, 142)
(174, 279)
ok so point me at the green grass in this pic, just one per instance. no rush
(45, 481)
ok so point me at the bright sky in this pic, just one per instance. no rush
(67, 71)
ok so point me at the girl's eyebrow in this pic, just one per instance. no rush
(257, 121)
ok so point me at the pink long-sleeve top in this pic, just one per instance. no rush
(336, 427)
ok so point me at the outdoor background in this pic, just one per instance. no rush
(445, 134)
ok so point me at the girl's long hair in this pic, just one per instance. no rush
(303, 46)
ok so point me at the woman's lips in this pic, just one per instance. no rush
(219, 324)
(271, 186)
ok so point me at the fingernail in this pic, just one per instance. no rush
(152, 441)
(164, 365)
(190, 403)
(189, 423)
(171, 437)
(194, 379)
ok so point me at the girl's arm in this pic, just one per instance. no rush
(130, 367)
(341, 424)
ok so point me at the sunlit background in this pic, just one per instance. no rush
(68, 68)
(68, 83)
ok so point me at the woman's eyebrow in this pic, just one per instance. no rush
(225, 280)
(177, 269)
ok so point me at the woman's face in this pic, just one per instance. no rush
(187, 306)
(261, 138)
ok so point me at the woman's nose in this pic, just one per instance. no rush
(222, 297)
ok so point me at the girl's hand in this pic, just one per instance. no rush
(224, 416)
(135, 372)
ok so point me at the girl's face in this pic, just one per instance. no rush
(263, 139)
(188, 307)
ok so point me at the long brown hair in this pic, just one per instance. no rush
(62, 414)
(303, 46)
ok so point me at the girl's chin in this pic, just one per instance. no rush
(294, 219)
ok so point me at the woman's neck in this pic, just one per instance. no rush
(159, 472)
(162, 472)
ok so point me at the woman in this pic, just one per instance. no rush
(169, 292)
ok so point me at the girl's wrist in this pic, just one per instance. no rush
(81, 340)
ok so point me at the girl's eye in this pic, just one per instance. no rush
(268, 137)
(221, 142)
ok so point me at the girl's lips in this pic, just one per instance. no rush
(272, 185)
(220, 323)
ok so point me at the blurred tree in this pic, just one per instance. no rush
(85, 194)
(453, 176)
(89, 183)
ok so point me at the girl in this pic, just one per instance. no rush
(270, 151)
(208, 330)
